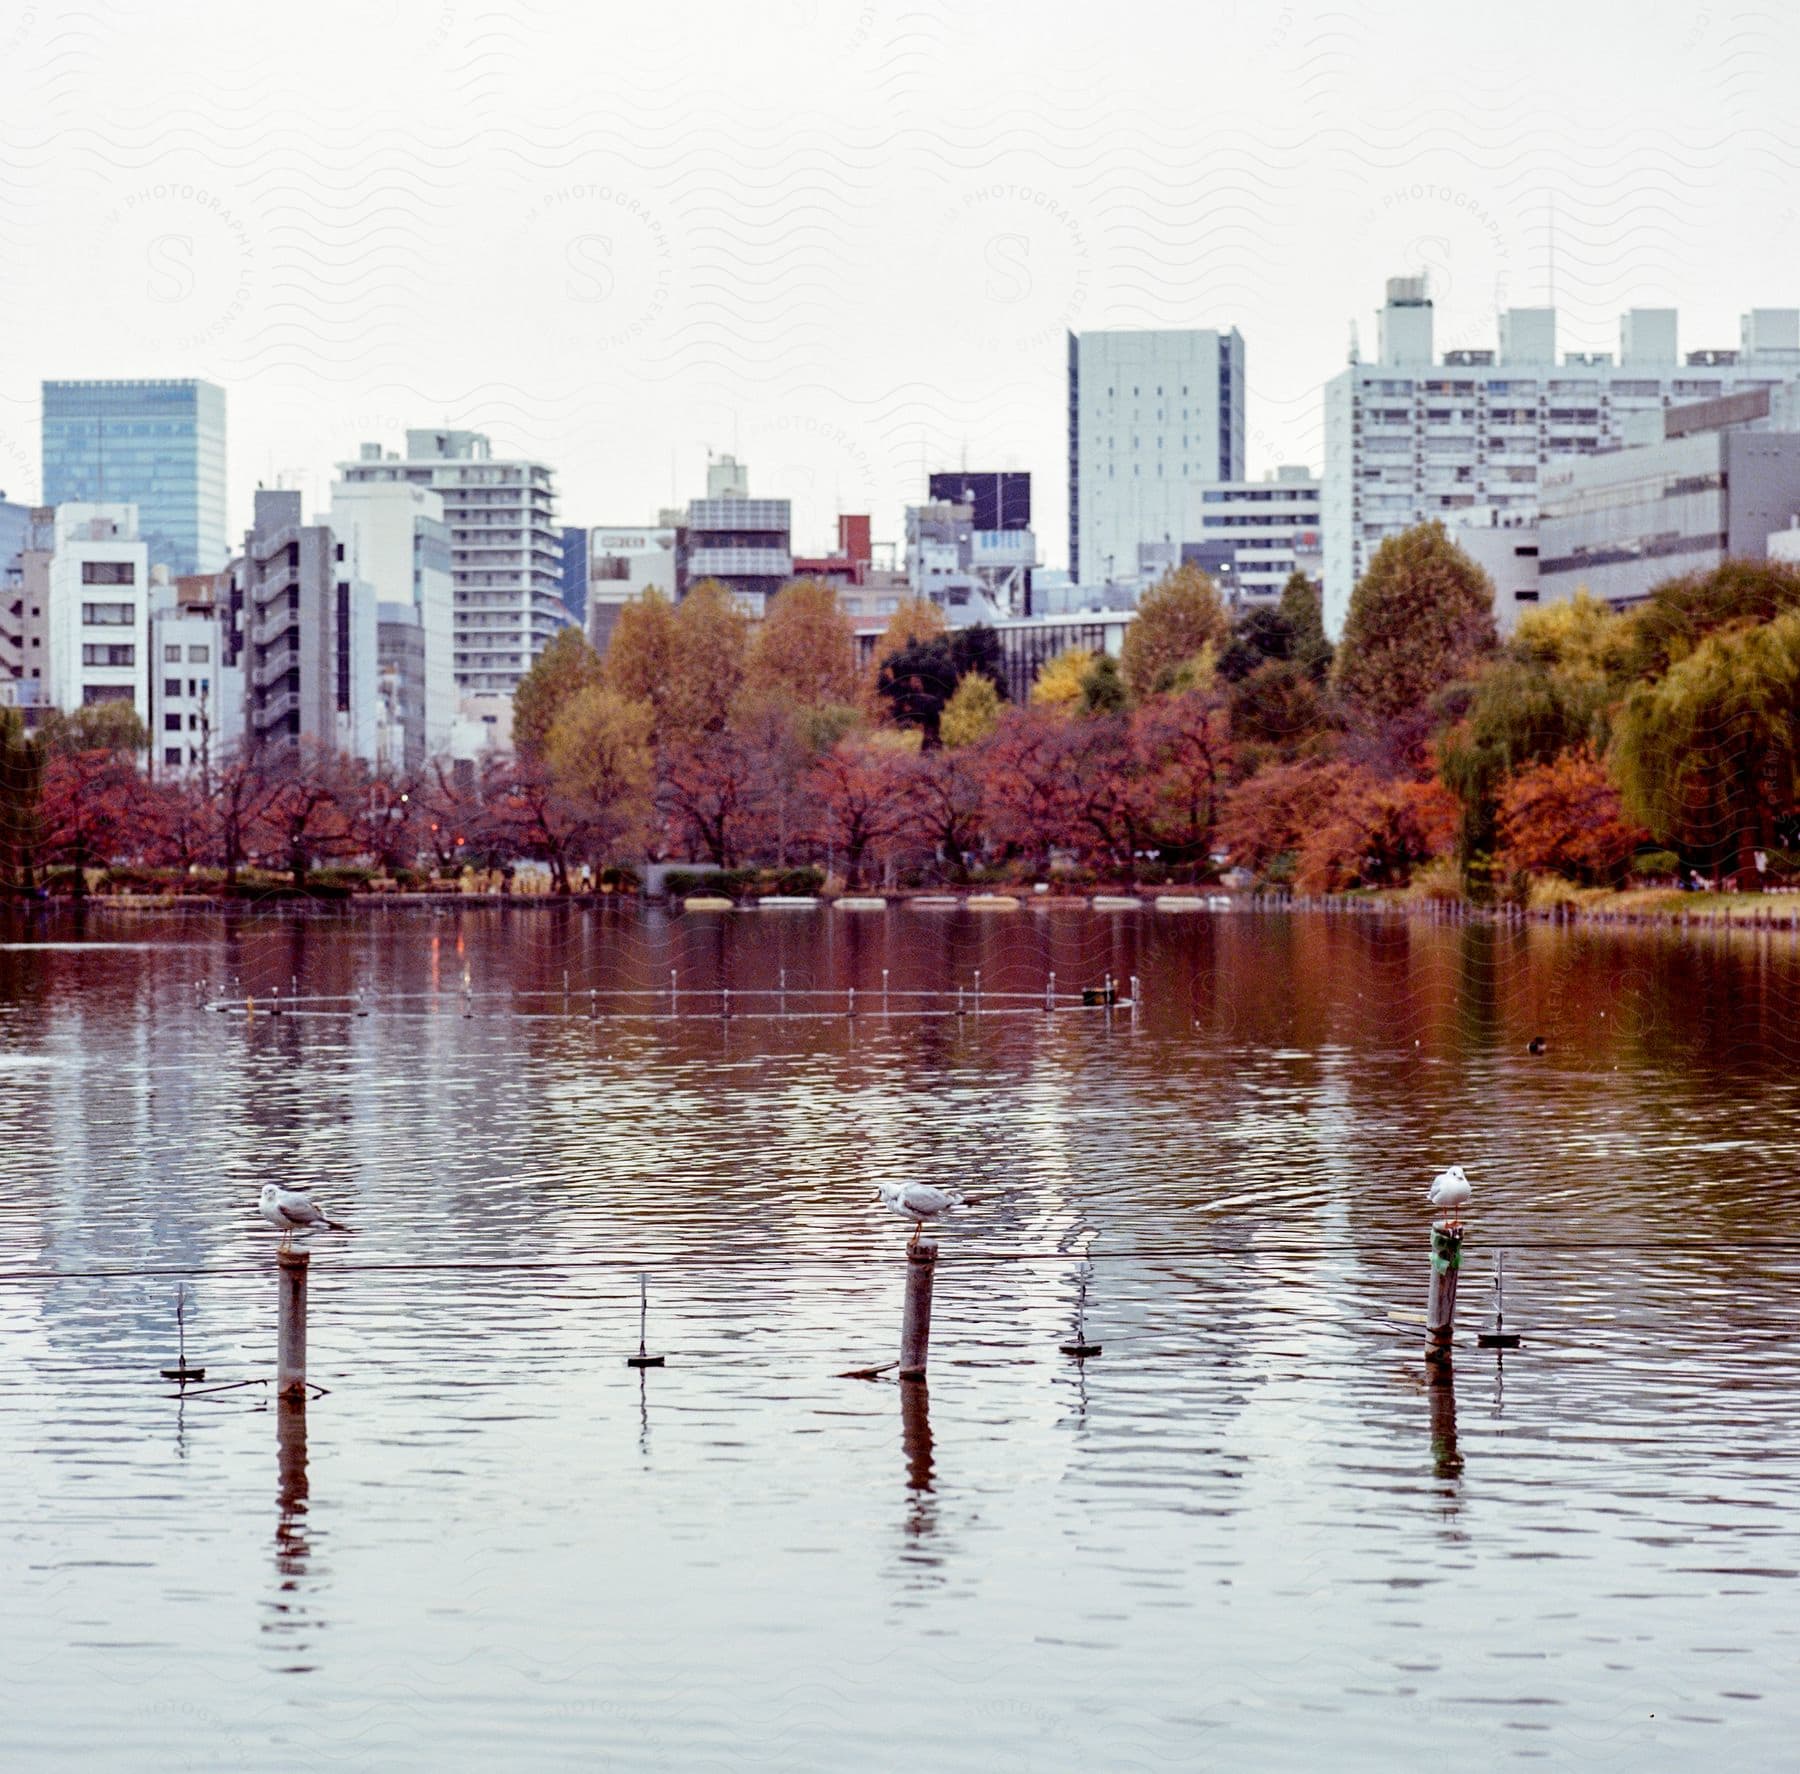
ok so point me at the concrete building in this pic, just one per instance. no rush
(1505, 546)
(971, 573)
(1150, 414)
(624, 562)
(744, 543)
(575, 573)
(1028, 643)
(1708, 482)
(402, 700)
(97, 610)
(310, 636)
(1260, 531)
(398, 545)
(26, 683)
(505, 549)
(196, 698)
(1411, 437)
(157, 445)
(15, 528)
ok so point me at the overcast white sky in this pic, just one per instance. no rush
(843, 239)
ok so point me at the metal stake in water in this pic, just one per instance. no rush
(643, 1358)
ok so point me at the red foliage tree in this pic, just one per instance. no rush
(948, 810)
(1181, 747)
(1025, 785)
(713, 794)
(862, 800)
(1566, 817)
(91, 809)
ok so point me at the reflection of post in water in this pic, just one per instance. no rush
(1440, 1386)
(293, 1548)
(915, 1441)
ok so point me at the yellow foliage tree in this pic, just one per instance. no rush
(1178, 619)
(599, 756)
(1058, 684)
(805, 649)
(972, 712)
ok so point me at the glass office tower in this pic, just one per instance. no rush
(157, 445)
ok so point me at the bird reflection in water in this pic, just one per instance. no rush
(293, 1547)
(915, 1440)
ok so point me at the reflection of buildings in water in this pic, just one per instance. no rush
(291, 1617)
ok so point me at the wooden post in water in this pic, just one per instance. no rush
(1440, 1305)
(290, 1314)
(1050, 992)
(915, 1318)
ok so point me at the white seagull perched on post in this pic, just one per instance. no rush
(292, 1210)
(1452, 1190)
(917, 1202)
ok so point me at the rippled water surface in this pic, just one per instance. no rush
(1251, 1533)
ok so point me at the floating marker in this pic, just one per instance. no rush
(642, 1359)
(181, 1371)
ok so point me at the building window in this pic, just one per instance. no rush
(201, 655)
(171, 686)
(105, 654)
(171, 754)
(109, 573)
(171, 723)
(171, 655)
(94, 694)
(109, 615)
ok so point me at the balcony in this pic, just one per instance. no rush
(277, 666)
(273, 713)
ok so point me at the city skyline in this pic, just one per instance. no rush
(843, 268)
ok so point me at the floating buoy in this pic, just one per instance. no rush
(642, 1359)
(1537, 1044)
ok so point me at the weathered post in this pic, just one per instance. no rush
(1050, 993)
(1440, 1306)
(290, 1356)
(884, 991)
(915, 1319)
(674, 1001)
(977, 991)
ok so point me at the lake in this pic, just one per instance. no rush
(1253, 1532)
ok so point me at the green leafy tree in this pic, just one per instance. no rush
(1682, 612)
(565, 668)
(1178, 620)
(1421, 616)
(1260, 634)
(1103, 689)
(917, 681)
(1303, 609)
(1708, 755)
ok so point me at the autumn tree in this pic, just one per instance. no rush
(566, 667)
(684, 661)
(1422, 615)
(1566, 816)
(713, 794)
(915, 619)
(1303, 609)
(1178, 619)
(860, 800)
(599, 759)
(916, 682)
(1103, 690)
(305, 819)
(804, 650)
(1681, 613)
(639, 663)
(1058, 682)
(89, 803)
(1025, 784)
(1181, 748)
(972, 712)
(948, 803)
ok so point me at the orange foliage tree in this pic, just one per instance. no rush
(1566, 817)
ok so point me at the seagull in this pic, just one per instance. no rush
(1451, 1189)
(917, 1202)
(291, 1211)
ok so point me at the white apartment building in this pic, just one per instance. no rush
(196, 699)
(1150, 415)
(505, 550)
(398, 545)
(97, 617)
(1267, 530)
(624, 562)
(1410, 437)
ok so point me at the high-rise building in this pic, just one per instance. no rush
(505, 549)
(1150, 414)
(397, 543)
(97, 610)
(196, 698)
(745, 544)
(310, 630)
(15, 527)
(623, 563)
(998, 499)
(158, 445)
(575, 573)
(1411, 437)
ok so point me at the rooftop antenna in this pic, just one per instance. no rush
(1355, 348)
